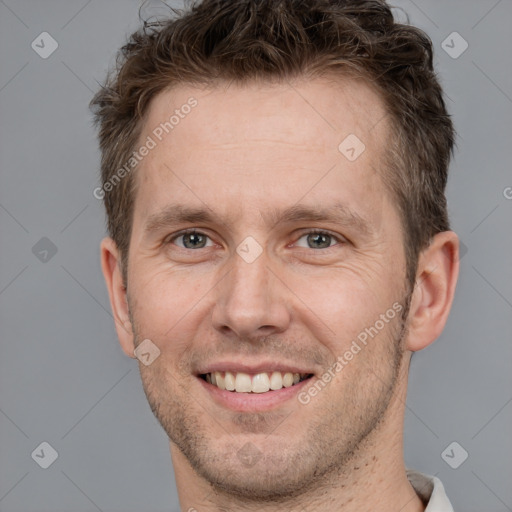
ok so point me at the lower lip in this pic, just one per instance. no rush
(253, 402)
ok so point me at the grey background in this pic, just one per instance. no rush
(63, 376)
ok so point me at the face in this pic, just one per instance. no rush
(262, 254)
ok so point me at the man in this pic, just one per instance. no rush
(273, 173)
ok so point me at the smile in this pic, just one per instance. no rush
(241, 382)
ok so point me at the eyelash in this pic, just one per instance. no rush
(338, 238)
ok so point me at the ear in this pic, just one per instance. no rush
(111, 267)
(436, 278)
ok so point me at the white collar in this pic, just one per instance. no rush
(431, 490)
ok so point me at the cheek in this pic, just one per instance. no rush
(347, 306)
(344, 300)
(167, 302)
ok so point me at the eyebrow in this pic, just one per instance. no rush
(338, 213)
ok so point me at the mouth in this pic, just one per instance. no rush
(257, 383)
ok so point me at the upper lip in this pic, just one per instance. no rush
(263, 367)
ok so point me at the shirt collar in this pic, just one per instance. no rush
(431, 490)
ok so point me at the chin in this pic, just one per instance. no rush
(265, 481)
(259, 468)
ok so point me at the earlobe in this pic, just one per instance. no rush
(110, 265)
(436, 278)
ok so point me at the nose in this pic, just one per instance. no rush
(251, 301)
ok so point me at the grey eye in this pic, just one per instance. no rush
(316, 240)
(192, 240)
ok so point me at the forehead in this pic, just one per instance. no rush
(288, 112)
(254, 145)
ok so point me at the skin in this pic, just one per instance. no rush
(241, 153)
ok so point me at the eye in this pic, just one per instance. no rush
(313, 239)
(316, 239)
(191, 239)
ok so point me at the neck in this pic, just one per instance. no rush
(374, 479)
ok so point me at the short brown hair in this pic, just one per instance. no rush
(244, 40)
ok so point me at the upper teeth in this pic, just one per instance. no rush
(258, 383)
